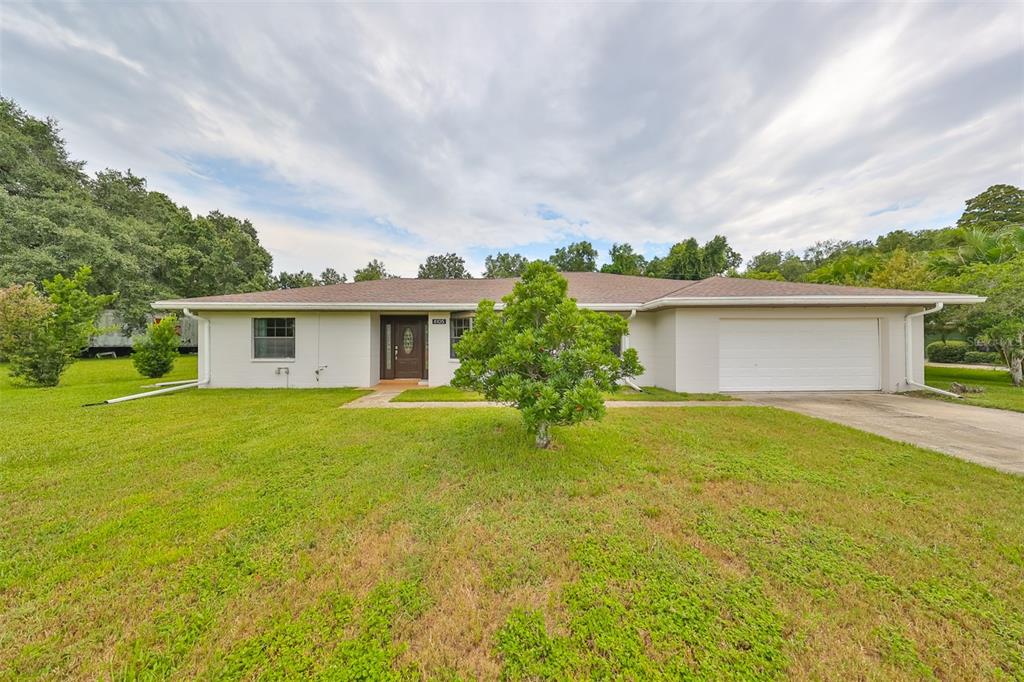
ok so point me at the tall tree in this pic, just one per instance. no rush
(331, 276)
(504, 265)
(577, 257)
(1000, 319)
(295, 280)
(624, 261)
(137, 242)
(786, 264)
(53, 334)
(688, 260)
(444, 266)
(997, 207)
(902, 270)
(373, 270)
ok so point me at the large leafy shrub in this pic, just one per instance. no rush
(155, 352)
(42, 337)
(982, 357)
(946, 351)
(543, 354)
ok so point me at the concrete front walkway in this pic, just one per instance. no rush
(991, 437)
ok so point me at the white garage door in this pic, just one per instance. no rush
(799, 355)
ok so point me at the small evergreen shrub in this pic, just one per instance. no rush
(946, 351)
(155, 352)
(981, 357)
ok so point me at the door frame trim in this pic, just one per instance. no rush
(422, 319)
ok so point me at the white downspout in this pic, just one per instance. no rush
(625, 346)
(907, 340)
(205, 324)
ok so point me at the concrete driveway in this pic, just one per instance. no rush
(994, 438)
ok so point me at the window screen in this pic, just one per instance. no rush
(273, 338)
(459, 325)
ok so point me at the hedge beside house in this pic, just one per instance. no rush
(946, 351)
(981, 357)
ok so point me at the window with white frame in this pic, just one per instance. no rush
(459, 326)
(273, 338)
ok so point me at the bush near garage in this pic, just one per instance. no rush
(982, 357)
(946, 351)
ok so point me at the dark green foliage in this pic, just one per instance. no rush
(444, 266)
(981, 357)
(997, 207)
(295, 280)
(42, 348)
(543, 354)
(625, 261)
(154, 353)
(999, 321)
(138, 243)
(373, 270)
(577, 257)
(331, 276)
(504, 265)
(787, 265)
(689, 260)
(946, 351)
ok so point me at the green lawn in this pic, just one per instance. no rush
(449, 394)
(440, 394)
(662, 395)
(266, 533)
(999, 392)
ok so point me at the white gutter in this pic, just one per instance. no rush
(908, 362)
(666, 302)
(724, 301)
(625, 346)
(205, 346)
(428, 307)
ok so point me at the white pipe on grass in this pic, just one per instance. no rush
(136, 396)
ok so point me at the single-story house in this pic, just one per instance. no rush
(715, 334)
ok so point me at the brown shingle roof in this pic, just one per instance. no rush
(588, 288)
(585, 287)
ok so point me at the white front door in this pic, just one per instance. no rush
(799, 354)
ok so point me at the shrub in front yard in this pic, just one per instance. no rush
(946, 351)
(980, 357)
(544, 355)
(155, 352)
(42, 337)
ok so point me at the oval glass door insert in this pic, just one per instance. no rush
(407, 341)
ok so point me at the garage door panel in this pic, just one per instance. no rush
(799, 355)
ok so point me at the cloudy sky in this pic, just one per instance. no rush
(355, 132)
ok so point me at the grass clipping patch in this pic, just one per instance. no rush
(648, 613)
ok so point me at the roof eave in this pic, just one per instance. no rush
(720, 301)
(286, 305)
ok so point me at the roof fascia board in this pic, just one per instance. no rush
(281, 305)
(719, 301)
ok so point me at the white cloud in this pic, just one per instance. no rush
(775, 125)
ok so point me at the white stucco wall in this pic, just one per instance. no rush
(440, 364)
(679, 348)
(343, 342)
